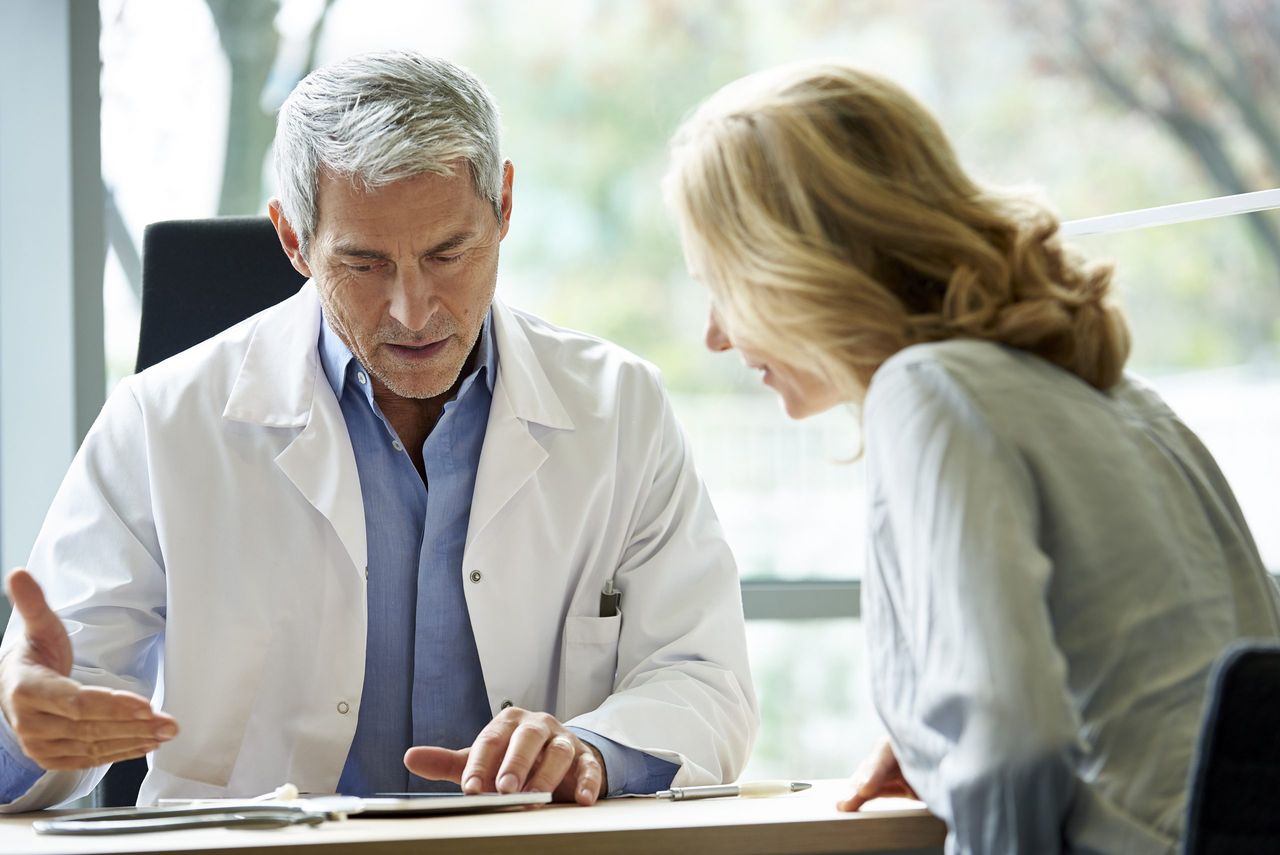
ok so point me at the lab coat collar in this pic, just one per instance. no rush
(522, 397)
(521, 378)
(277, 380)
(281, 384)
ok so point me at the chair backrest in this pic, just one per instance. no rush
(1234, 800)
(199, 277)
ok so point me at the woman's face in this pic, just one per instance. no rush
(804, 393)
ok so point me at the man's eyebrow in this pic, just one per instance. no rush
(452, 243)
(348, 250)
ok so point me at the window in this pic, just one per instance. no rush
(1203, 301)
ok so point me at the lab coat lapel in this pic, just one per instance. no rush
(282, 384)
(322, 465)
(523, 397)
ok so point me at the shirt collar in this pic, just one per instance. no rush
(339, 362)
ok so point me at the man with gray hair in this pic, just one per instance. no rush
(389, 535)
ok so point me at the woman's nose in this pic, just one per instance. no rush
(716, 340)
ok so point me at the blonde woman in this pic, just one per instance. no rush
(1055, 560)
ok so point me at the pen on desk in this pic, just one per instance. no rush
(609, 599)
(746, 790)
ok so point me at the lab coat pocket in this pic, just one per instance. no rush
(160, 784)
(588, 663)
(214, 698)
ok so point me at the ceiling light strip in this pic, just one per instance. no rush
(1183, 212)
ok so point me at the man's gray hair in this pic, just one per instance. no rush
(380, 117)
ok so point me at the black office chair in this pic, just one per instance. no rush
(199, 277)
(1234, 801)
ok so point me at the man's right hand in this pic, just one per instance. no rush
(60, 723)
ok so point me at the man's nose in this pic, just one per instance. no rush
(715, 339)
(414, 300)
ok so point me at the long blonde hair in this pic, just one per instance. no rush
(828, 214)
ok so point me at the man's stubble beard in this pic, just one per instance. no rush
(393, 383)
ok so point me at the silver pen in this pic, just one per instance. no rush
(746, 790)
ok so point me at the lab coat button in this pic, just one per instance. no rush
(475, 576)
(343, 707)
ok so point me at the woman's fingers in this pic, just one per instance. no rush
(879, 775)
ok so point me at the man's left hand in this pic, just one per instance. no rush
(519, 751)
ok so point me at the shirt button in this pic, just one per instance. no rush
(361, 377)
(475, 576)
(397, 445)
(507, 704)
(344, 707)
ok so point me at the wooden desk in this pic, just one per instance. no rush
(800, 823)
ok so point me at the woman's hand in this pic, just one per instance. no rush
(879, 775)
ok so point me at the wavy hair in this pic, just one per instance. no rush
(826, 211)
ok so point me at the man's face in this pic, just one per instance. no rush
(406, 274)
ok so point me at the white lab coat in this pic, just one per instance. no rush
(208, 543)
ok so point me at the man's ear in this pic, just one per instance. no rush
(508, 177)
(288, 238)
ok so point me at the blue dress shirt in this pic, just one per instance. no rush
(18, 772)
